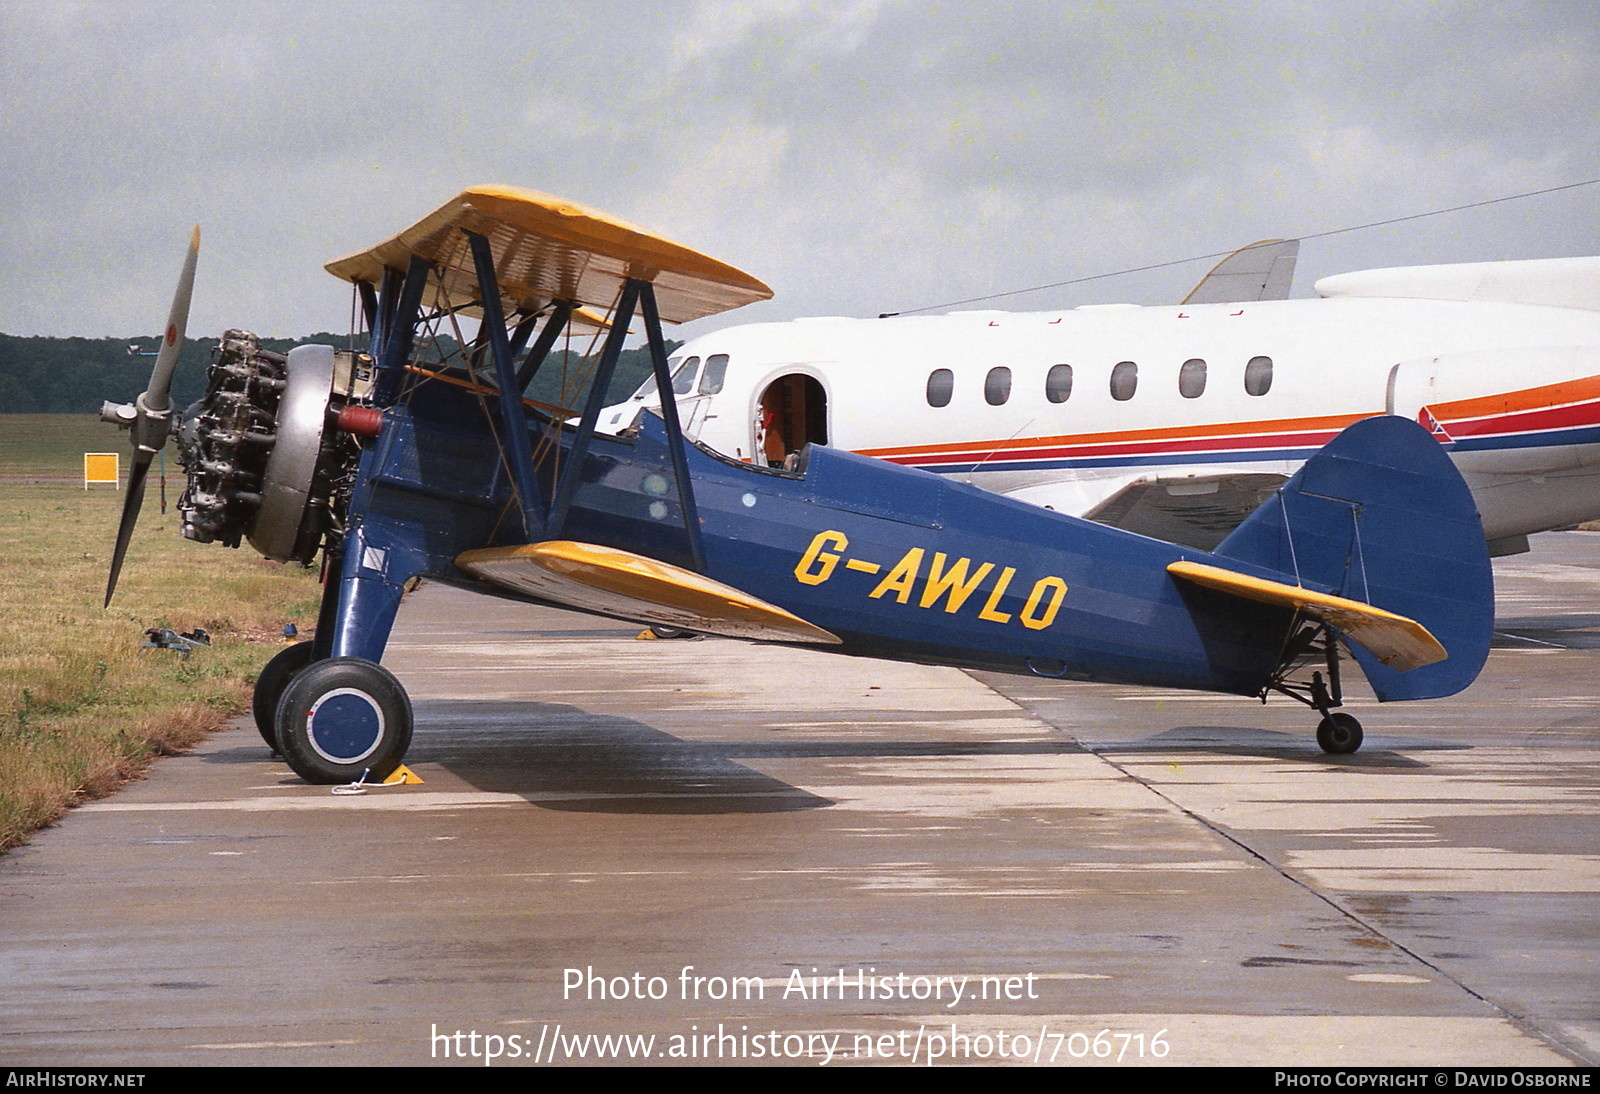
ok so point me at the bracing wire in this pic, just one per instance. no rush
(1225, 254)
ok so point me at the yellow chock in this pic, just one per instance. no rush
(646, 633)
(402, 776)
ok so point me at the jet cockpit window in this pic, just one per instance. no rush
(716, 371)
(997, 386)
(1058, 383)
(1124, 381)
(941, 386)
(683, 379)
(1258, 376)
(648, 388)
(1192, 378)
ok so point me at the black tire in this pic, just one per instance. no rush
(671, 632)
(273, 678)
(341, 718)
(1339, 734)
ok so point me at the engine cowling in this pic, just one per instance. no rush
(265, 457)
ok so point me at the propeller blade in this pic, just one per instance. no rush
(156, 396)
(152, 411)
(130, 517)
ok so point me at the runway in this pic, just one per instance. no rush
(710, 851)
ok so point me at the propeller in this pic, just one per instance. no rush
(148, 419)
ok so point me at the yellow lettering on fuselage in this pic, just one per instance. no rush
(990, 607)
(1032, 616)
(953, 581)
(816, 565)
(900, 580)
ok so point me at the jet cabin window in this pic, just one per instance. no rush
(997, 386)
(1124, 381)
(1192, 379)
(1058, 383)
(1258, 376)
(941, 386)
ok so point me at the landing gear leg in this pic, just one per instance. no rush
(1338, 734)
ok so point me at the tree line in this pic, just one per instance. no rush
(43, 375)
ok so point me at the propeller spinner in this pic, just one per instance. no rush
(149, 418)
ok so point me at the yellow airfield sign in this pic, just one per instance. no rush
(99, 467)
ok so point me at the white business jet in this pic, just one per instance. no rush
(1177, 421)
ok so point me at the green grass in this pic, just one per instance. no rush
(41, 445)
(82, 707)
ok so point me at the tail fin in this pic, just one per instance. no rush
(1382, 517)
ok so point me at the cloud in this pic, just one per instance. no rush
(860, 157)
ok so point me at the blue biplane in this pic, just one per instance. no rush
(422, 456)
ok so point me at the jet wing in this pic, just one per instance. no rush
(620, 583)
(1261, 271)
(549, 249)
(1192, 511)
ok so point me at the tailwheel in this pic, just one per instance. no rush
(274, 677)
(1339, 734)
(343, 718)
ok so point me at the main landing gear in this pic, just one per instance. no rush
(1337, 733)
(334, 721)
(274, 677)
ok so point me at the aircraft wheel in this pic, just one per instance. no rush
(670, 632)
(343, 717)
(275, 676)
(1339, 734)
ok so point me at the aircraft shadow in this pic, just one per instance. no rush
(569, 759)
(1263, 743)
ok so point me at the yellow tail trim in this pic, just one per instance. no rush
(1401, 643)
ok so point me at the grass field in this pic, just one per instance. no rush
(82, 707)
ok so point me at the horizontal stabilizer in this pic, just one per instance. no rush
(1400, 643)
(621, 583)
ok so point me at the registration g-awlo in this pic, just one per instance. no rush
(420, 456)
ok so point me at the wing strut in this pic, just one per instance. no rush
(513, 422)
(669, 413)
(553, 326)
(562, 500)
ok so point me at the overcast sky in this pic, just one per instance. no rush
(859, 156)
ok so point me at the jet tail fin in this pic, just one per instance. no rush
(1261, 271)
(1380, 518)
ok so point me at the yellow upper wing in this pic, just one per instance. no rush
(548, 249)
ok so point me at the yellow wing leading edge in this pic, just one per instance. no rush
(631, 586)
